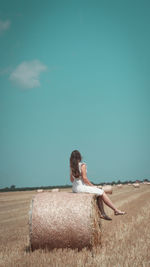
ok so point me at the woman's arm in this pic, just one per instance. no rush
(71, 178)
(84, 175)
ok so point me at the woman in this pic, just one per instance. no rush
(81, 184)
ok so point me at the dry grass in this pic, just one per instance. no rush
(125, 240)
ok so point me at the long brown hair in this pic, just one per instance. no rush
(75, 158)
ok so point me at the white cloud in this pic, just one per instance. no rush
(4, 25)
(27, 74)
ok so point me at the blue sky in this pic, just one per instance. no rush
(74, 75)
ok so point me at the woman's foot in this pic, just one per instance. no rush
(119, 212)
(105, 217)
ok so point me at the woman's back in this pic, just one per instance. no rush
(80, 171)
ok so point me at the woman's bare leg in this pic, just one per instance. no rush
(101, 208)
(100, 205)
(109, 203)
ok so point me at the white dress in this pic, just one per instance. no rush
(79, 186)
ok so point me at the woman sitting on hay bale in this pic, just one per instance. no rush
(81, 184)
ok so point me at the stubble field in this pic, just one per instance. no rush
(125, 239)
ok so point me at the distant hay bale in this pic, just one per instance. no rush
(55, 190)
(148, 183)
(64, 220)
(136, 185)
(40, 190)
(119, 185)
(107, 189)
(129, 184)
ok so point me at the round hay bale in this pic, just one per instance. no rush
(136, 185)
(64, 220)
(148, 183)
(40, 190)
(107, 189)
(119, 185)
(55, 190)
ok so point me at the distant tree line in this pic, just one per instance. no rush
(124, 182)
(14, 188)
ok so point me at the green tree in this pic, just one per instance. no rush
(12, 187)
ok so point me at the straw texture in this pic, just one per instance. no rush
(64, 219)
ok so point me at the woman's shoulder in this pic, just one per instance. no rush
(82, 163)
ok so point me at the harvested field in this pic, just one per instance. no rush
(125, 239)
